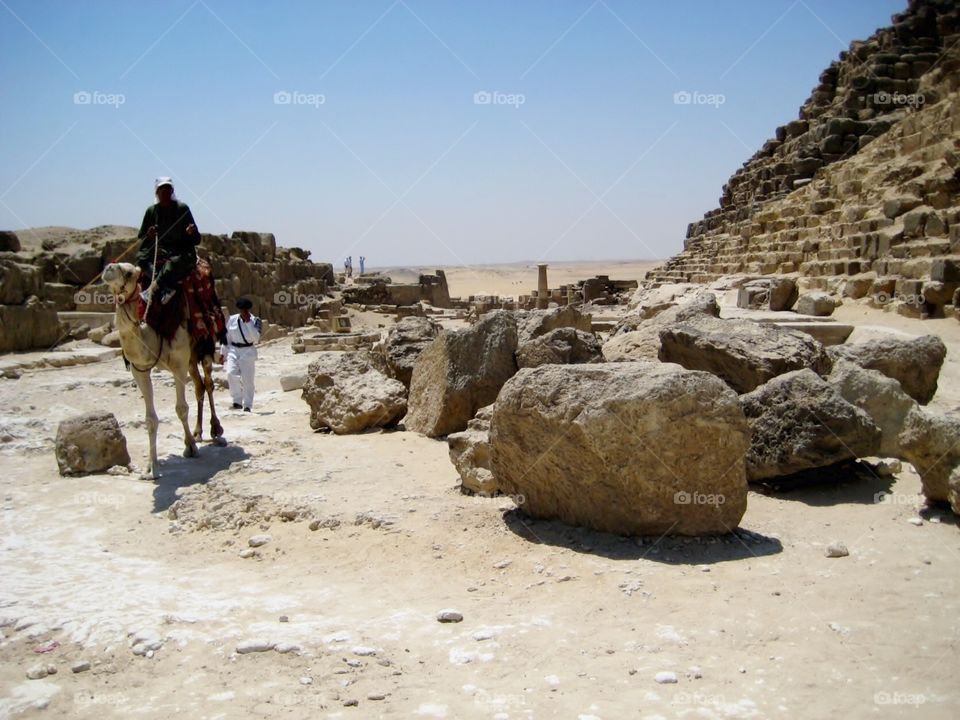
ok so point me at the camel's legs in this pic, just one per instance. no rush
(198, 392)
(145, 383)
(216, 429)
(190, 447)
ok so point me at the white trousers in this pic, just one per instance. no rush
(241, 367)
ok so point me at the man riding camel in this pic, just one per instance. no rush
(169, 230)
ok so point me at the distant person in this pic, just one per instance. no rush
(362, 261)
(349, 266)
(240, 353)
(168, 229)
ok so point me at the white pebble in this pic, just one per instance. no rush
(836, 550)
(258, 540)
(449, 616)
(915, 521)
(666, 677)
(252, 646)
(363, 651)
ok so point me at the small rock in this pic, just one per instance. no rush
(449, 616)
(376, 696)
(888, 467)
(80, 666)
(252, 646)
(306, 680)
(37, 672)
(694, 672)
(285, 648)
(481, 635)
(248, 553)
(552, 680)
(502, 564)
(363, 651)
(915, 521)
(666, 677)
(258, 540)
(351, 702)
(284, 618)
(836, 550)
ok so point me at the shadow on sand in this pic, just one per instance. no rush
(670, 549)
(844, 483)
(177, 472)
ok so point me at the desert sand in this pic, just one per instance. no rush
(145, 580)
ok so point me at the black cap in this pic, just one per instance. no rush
(244, 304)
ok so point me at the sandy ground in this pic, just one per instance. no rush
(513, 280)
(558, 622)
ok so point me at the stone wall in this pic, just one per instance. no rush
(38, 281)
(864, 181)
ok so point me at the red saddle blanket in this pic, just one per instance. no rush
(205, 321)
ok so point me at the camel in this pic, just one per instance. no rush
(145, 350)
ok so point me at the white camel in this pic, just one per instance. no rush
(145, 350)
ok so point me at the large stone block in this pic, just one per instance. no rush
(742, 353)
(914, 363)
(90, 443)
(609, 447)
(799, 422)
(460, 372)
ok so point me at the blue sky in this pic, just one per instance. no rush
(413, 132)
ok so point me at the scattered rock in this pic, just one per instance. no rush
(256, 541)
(535, 323)
(641, 340)
(817, 303)
(470, 454)
(915, 521)
(397, 353)
(293, 381)
(798, 421)
(881, 397)
(742, 353)
(90, 443)
(248, 553)
(461, 372)
(255, 646)
(931, 443)
(449, 616)
(607, 446)
(836, 550)
(80, 666)
(37, 672)
(666, 677)
(783, 293)
(563, 346)
(347, 395)
(914, 363)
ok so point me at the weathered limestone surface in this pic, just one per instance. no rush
(90, 443)
(608, 446)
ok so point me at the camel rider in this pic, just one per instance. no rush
(240, 353)
(169, 224)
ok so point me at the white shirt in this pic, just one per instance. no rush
(240, 332)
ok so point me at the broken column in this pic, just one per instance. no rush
(543, 290)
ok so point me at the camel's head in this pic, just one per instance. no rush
(122, 279)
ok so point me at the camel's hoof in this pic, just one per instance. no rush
(149, 475)
(191, 451)
(216, 430)
(220, 441)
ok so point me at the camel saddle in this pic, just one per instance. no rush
(205, 321)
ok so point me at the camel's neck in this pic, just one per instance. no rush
(139, 341)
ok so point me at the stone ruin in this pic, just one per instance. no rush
(859, 196)
(48, 293)
(380, 290)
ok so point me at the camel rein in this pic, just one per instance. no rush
(135, 321)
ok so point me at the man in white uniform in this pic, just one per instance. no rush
(240, 353)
